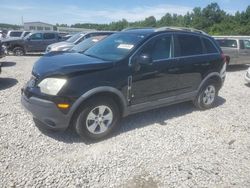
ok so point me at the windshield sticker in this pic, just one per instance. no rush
(126, 46)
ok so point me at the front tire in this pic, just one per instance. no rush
(18, 51)
(97, 119)
(207, 96)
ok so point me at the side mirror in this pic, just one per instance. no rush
(145, 59)
(28, 39)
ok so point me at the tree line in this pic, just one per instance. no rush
(211, 19)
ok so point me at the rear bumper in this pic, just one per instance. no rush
(46, 112)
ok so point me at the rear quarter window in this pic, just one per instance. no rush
(209, 46)
(189, 45)
(227, 43)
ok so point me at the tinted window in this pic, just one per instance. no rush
(189, 45)
(158, 48)
(15, 34)
(36, 36)
(210, 48)
(227, 43)
(49, 36)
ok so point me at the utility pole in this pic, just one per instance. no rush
(22, 22)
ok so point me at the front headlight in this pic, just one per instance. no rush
(51, 86)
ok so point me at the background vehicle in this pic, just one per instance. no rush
(66, 37)
(74, 40)
(87, 43)
(34, 42)
(247, 77)
(236, 47)
(128, 72)
(2, 35)
(17, 34)
(2, 50)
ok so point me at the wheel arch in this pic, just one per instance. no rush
(212, 76)
(112, 92)
(18, 46)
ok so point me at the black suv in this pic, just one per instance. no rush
(33, 42)
(128, 72)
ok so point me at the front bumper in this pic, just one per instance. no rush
(247, 77)
(46, 112)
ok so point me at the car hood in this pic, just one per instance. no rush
(66, 63)
(61, 44)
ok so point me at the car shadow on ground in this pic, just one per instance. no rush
(234, 68)
(158, 116)
(7, 64)
(247, 84)
(6, 83)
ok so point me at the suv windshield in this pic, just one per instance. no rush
(115, 47)
(75, 37)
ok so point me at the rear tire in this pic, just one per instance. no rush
(97, 119)
(18, 51)
(207, 95)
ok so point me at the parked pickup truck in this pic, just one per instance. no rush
(236, 48)
(33, 42)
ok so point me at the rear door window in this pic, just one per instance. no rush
(209, 46)
(188, 45)
(227, 43)
(49, 36)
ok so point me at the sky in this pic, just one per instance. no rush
(102, 11)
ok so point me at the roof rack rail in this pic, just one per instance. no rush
(132, 28)
(181, 29)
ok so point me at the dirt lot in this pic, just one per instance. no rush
(176, 146)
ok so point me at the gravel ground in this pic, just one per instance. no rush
(176, 146)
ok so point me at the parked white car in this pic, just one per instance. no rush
(247, 77)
